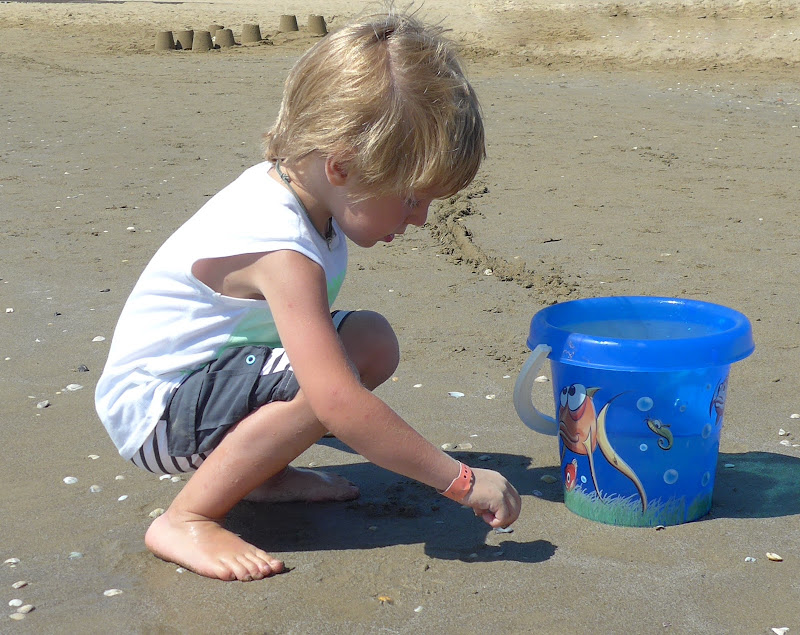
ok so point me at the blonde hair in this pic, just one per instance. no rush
(386, 95)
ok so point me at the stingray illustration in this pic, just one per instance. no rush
(583, 429)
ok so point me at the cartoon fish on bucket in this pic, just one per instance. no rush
(570, 474)
(582, 429)
(661, 429)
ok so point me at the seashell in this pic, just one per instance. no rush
(504, 530)
(794, 416)
(94, 489)
(448, 446)
(43, 404)
(131, 228)
(548, 478)
(70, 480)
(749, 559)
(156, 512)
(786, 442)
(464, 446)
(119, 477)
(418, 609)
(74, 387)
(25, 609)
(774, 557)
(12, 561)
(94, 457)
(456, 394)
(15, 603)
(17, 616)
(417, 386)
(487, 272)
(541, 379)
(123, 497)
(9, 310)
(112, 592)
(782, 432)
(175, 479)
(99, 338)
(74, 555)
(780, 630)
(180, 570)
(164, 477)
(491, 396)
(20, 584)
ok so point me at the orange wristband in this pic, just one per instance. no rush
(461, 484)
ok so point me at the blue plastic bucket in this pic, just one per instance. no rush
(639, 385)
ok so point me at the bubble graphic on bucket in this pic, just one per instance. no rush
(671, 477)
(639, 385)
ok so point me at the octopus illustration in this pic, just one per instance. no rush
(717, 407)
(582, 429)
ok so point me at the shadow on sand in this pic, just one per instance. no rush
(393, 510)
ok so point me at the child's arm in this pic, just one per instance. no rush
(295, 288)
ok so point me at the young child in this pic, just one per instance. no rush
(227, 362)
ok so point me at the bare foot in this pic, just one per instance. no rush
(205, 547)
(299, 484)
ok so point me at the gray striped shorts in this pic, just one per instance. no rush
(210, 401)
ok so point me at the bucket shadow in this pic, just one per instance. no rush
(759, 485)
(394, 510)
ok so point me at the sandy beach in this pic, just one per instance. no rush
(634, 148)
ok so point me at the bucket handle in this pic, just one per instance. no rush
(530, 416)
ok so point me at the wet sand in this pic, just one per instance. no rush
(634, 148)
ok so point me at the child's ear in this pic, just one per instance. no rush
(336, 170)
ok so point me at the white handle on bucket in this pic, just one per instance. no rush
(530, 416)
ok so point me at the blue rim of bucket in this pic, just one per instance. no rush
(726, 335)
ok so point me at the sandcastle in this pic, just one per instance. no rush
(217, 36)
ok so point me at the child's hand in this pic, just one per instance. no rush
(493, 498)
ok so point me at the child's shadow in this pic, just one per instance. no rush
(393, 510)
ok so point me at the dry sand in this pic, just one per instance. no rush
(634, 148)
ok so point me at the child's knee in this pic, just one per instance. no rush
(372, 346)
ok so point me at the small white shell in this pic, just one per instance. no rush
(94, 489)
(74, 387)
(70, 480)
(93, 457)
(99, 338)
(749, 559)
(794, 416)
(774, 557)
(541, 379)
(26, 608)
(491, 396)
(456, 394)
(780, 630)
(17, 616)
(156, 512)
(123, 497)
(786, 442)
(782, 432)
(417, 386)
(112, 592)
(44, 403)
(12, 561)
(15, 603)
(20, 584)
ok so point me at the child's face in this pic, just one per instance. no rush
(382, 218)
